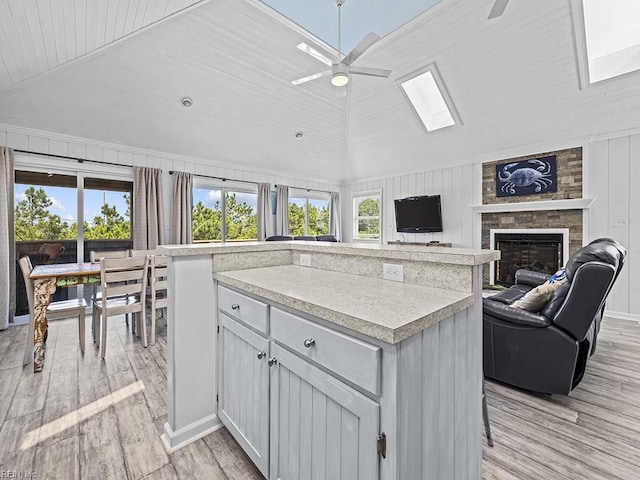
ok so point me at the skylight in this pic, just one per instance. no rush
(613, 37)
(425, 96)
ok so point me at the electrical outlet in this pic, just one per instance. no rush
(619, 221)
(391, 271)
(305, 260)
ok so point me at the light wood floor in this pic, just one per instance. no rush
(81, 418)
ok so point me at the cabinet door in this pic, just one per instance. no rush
(244, 389)
(321, 429)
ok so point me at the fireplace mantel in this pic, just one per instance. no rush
(570, 204)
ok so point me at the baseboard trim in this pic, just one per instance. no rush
(182, 437)
(622, 316)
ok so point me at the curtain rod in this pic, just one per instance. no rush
(79, 160)
(171, 172)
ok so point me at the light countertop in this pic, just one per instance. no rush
(457, 256)
(381, 309)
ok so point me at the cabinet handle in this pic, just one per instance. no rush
(235, 306)
(309, 342)
(272, 361)
(261, 355)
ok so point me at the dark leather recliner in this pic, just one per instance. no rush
(547, 351)
(278, 238)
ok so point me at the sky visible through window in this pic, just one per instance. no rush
(65, 204)
(209, 197)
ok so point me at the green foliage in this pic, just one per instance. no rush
(369, 218)
(318, 220)
(241, 221)
(34, 221)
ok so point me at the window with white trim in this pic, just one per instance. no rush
(238, 208)
(367, 216)
(309, 214)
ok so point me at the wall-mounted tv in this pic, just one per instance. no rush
(418, 214)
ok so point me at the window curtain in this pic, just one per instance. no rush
(282, 210)
(7, 244)
(182, 208)
(334, 215)
(265, 222)
(148, 218)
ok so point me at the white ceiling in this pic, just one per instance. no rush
(513, 81)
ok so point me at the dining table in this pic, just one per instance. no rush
(46, 279)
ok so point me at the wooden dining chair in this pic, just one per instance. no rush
(55, 310)
(94, 257)
(123, 287)
(158, 279)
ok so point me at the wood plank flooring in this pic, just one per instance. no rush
(83, 418)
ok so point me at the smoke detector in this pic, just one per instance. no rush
(187, 101)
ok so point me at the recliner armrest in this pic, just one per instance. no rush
(529, 277)
(514, 315)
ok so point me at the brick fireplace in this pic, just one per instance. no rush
(537, 215)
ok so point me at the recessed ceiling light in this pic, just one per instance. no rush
(299, 134)
(187, 101)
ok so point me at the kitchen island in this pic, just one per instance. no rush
(322, 369)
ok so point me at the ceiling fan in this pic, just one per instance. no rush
(342, 67)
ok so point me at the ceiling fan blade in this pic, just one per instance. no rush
(314, 53)
(498, 9)
(372, 72)
(311, 77)
(360, 48)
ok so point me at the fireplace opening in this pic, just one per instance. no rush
(540, 252)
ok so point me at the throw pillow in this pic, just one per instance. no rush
(559, 276)
(537, 298)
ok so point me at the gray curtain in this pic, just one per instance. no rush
(282, 210)
(265, 221)
(334, 215)
(7, 244)
(182, 208)
(148, 218)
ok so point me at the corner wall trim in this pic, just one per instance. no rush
(622, 316)
(173, 441)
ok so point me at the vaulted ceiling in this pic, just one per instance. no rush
(513, 80)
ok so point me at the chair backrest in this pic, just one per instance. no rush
(124, 277)
(26, 268)
(51, 250)
(94, 256)
(591, 272)
(142, 253)
(278, 238)
(158, 280)
(326, 238)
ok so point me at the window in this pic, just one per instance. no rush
(426, 94)
(309, 216)
(107, 209)
(366, 216)
(238, 208)
(611, 42)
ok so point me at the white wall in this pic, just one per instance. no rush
(458, 186)
(51, 143)
(614, 172)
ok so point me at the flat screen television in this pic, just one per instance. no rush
(418, 214)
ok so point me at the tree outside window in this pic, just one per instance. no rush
(308, 216)
(239, 209)
(366, 216)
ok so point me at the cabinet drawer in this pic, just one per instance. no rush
(246, 309)
(352, 359)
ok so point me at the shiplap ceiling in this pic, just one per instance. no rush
(513, 81)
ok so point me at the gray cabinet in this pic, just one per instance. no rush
(243, 405)
(320, 427)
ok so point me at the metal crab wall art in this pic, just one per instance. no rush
(526, 177)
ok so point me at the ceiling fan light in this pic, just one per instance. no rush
(339, 79)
